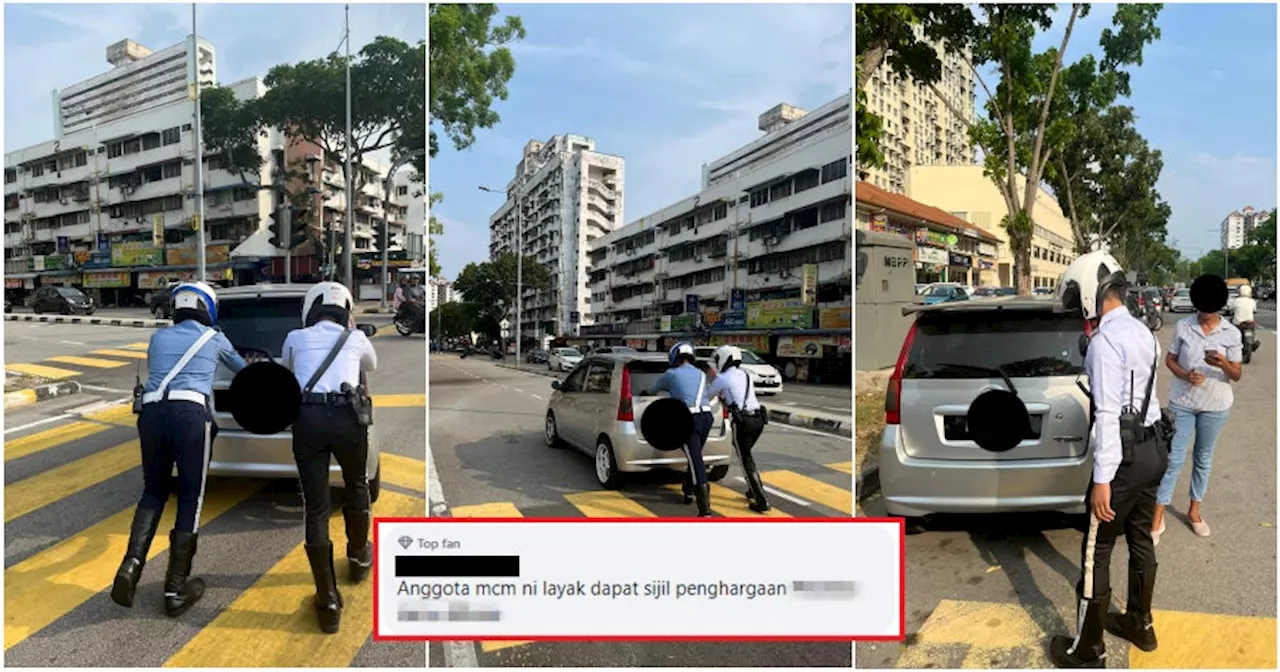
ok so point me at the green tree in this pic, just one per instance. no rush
(491, 285)
(453, 320)
(470, 68)
(1028, 117)
(230, 129)
(434, 228)
(886, 35)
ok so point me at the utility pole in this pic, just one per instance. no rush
(286, 230)
(519, 264)
(199, 142)
(348, 277)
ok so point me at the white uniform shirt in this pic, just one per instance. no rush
(306, 349)
(1244, 309)
(734, 386)
(1121, 345)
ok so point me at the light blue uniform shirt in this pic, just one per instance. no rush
(733, 385)
(1188, 345)
(169, 344)
(683, 382)
(1122, 345)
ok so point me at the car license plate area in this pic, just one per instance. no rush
(956, 428)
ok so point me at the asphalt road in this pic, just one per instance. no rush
(488, 451)
(71, 484)
(989, 591)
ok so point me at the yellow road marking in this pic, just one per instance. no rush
(608, 504)
(130, 354)
(50, 486)
(731, 504)
(41, 371)
(34, 443)
(490, 510)
(91, 362)
(990, 629)
(399, 400)
(804, 487)
(405, 472)
(1202, 641)
(846, 467)
(385, 330)
(53, 582)
(273, 622)
(137, 346)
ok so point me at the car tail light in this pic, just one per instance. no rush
(893, 396)
(625, 411)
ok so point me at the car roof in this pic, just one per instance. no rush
(1011, 303)
(265, 289)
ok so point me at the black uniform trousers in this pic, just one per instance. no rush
(746, 431)
(702, 423)
(175, 432)
(1133, 499)
(320, 431)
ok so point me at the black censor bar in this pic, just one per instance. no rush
(457, 566)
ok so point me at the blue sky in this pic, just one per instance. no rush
(48, 46)
(1205, 96)
(667, 87)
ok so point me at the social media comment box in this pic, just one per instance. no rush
(626, 579)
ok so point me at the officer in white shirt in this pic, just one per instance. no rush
(733, 386)
(328, 357)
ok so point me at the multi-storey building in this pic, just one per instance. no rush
(564, 196)
(411, 195)
(1234, 229)
(761, 256)
(439, 292)
(919, 126)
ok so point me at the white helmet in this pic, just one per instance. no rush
(683, 348)
(327, 299)
(726, 356)
(1083, 283)
(195, 301)
(1246, 291)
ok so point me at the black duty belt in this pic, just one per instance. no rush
(325, 399)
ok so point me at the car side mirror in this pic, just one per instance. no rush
(368, 329)
(555, 385)
(1084, 345)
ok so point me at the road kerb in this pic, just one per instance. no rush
(85, 319)
(20, 398)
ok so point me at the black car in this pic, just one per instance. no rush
(161, 302)
(536, 356)
(62, 300)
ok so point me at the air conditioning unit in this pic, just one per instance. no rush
(63, 201)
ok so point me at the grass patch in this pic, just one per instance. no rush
(869, 423)
(22, 382)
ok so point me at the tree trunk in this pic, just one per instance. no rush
(1022, 268)
(870, 62)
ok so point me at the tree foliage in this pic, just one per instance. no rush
(454, 320)
(1256, 260)
(231, 129)
(434, 228)
(491, 285)
(470, 67)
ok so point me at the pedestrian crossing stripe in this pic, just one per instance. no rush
(1006, 635)
(127, 354)
(137, 346)
(92, 423)
(91, 362)
(41, 371)
(47, 487)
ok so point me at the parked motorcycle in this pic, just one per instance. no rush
(1250, 340)
(411, 319)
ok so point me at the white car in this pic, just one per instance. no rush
(1181, 301)
(766, 379)
(563, 359)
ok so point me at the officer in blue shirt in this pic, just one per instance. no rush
(685, 381)
(175, 425)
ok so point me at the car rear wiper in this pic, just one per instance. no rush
(985, 369)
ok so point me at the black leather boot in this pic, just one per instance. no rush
(180, 591)
(328, 601)
(145, 522)
(755, 489)
(1135, 624)
(686, 487)
(703, 494)
(359, 550)
(1087, 650)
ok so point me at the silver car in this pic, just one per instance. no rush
(596, 409)
(1181, 301)
(954, 352)
(256, 319)
(563, 359)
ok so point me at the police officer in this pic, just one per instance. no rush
(685, 381)
(1130, 456)
(175, 424)
(328, 357)
(733, 386)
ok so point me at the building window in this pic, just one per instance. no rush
(37, 170)
(759, 197)
(172, 169)
(835, 170)
(150, 141)
(10, 176)
(170, 136)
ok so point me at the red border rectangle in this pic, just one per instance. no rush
(902, 584)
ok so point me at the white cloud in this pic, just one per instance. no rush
(1208, 189)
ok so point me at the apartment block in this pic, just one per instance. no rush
(564, 196)
(1235, 228)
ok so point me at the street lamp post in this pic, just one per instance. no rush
(199, 152)
(519, 265)
(348, 276)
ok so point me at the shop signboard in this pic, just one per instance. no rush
(987, 249)
(960, 260)
(835, 318)
(986, 265)
(104, 244)
(105, 279)
(729, 319)
(809, 285)
(679, 323)
(803, 346)
(61, 280)
(879, 222)
(136, 253)
(186, 256)
(779, 313)
(737, 299)
(936, 238)
(13, 283)
(931, 255)
(161, 279)
(664, 323)
(691, 303)
(640, 344)
(64, 245)
(755, 342)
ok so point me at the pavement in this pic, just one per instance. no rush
(989, 591)
(488, 452)
(71, 483)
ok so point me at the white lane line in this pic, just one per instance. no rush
(460, 654)
(516, 389)
(779, 493)
(72, 343)
(809, 431)
(536, 397)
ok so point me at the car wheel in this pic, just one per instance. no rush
(606, 465)
(551, 432)
(375, 483)
(717, 473)
(158, 312)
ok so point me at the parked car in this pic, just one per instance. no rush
(596, 410)
(536, 356)
(944, 292)
(563, 359)
(952, 353)
(160, 303)
(765, 377)
(1042, 291)
(613, 350)
(62, 300)
(1181, 301)
(256, 319)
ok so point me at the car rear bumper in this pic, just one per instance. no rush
(918, 487)
(634, 455)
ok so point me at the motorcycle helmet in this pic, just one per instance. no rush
(683, 349)
(1246, 292)
(1086, 280)
(195, 301)
(327, 299)
(726, 356)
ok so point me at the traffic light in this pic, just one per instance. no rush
(298, 226)
(277, 226)
(393, 240)
(380, 231)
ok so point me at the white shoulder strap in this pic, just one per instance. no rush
(186, 359)
(702, 386)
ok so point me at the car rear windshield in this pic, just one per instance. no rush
(260, 323)
(1022, 344)
(644, 373)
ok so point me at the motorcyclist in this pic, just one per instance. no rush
(413, 299)
(1245, 307)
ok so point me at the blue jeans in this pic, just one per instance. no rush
(1206, 425)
